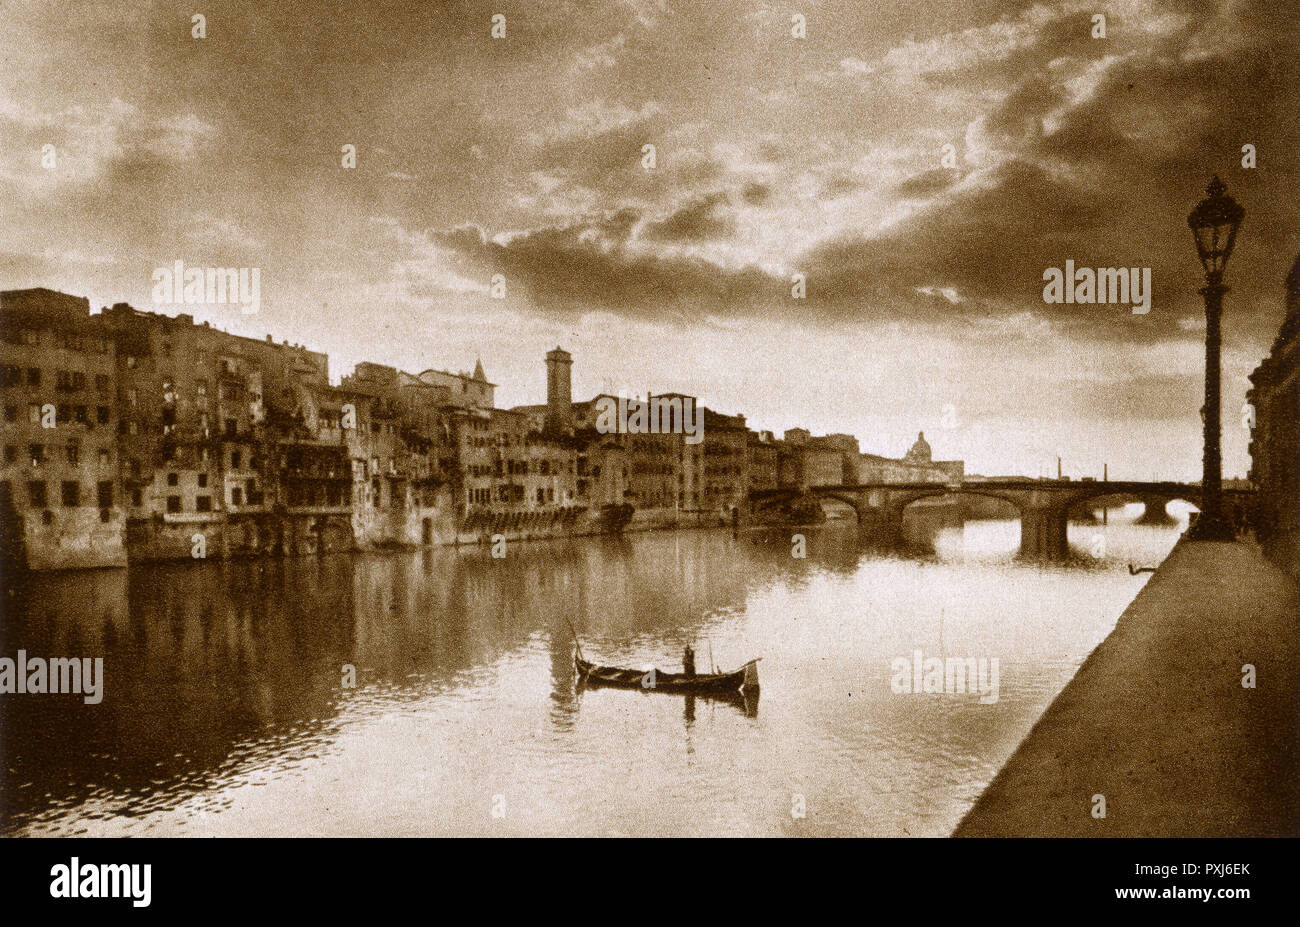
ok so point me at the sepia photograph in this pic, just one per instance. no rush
(649, 419)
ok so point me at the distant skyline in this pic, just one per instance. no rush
(822, 156)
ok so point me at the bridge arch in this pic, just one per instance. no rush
(906, 499)
(1155, 501)
(770, 499)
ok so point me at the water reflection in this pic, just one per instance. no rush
(226, 706)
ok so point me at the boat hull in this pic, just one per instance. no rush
(660, 681)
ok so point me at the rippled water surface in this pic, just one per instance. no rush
(225, 710)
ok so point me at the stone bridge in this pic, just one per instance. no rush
(1044, 505)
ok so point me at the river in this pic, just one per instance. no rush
(227, 708)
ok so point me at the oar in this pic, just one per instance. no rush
(577, 642)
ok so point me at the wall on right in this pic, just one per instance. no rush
(1275, 439)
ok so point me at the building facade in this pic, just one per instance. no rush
(1275, 439)
(132, 435)
(60, 493)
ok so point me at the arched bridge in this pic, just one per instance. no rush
(1044, 505)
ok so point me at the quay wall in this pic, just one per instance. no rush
(1184, 721)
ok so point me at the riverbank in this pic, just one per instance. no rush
(1157, 719)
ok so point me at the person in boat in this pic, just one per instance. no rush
(688, 660)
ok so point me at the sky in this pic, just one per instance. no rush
(774, 155)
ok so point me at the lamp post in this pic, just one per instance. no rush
(1214, 223)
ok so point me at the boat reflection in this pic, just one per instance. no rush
(746, 700)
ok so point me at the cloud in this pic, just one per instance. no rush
(704, 217)
(597, 263)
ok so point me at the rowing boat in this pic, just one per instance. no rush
(656, 680)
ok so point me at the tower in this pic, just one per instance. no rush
(559, 391)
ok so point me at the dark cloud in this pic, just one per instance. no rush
(703, 218)
(595, 264)
(926, 184)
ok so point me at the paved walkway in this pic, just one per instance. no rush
(1158, 722)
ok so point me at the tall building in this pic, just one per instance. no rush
(559, 392)
(1275, 439)
(59, 486)
(763, 462)
(726, 462)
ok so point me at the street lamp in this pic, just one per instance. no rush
(1214, 223)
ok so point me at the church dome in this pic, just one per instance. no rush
(921, 449)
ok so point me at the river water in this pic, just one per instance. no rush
(227, 708)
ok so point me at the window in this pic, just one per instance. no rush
(137, 499)
(33, 376)
(34, 413)
(36, 493)
(102, 414)
(30, 336)
(74, 453)
(203, 480)
(132, 396)
(104, 494)
(101, 383)
(37, 454)
(71, 494)
(172, 479)
(11, 412)
(203, 503)
(11, 375)
(173, 504)
(103, 457)
(11, 453)
(79, 414)
(234, 460)
(236, 496)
